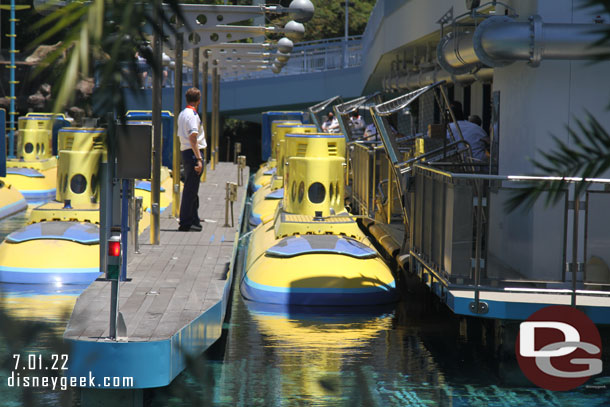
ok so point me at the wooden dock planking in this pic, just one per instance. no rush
(172, 283)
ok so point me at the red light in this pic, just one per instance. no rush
(114, 249)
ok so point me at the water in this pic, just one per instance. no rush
(412, 354)
(32, 320)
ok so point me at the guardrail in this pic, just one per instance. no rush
(462, 234)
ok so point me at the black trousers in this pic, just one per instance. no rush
(190, 198)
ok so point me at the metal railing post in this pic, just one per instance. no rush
(176, 158)
(575, 246)
(136, 226)
(214, 126)
(155, 184)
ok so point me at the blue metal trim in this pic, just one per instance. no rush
(337, 135)
(256, 187)
(317, 296)
(518, 310)
(306, 126)
(81, 130)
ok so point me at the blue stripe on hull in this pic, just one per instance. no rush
(318, 296)
(81, 276)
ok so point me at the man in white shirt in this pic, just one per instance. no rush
(192, 143)
(473, 134)
(331, 125)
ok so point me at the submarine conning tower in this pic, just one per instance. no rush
(314, 180)
(35, 141)
(81, 150)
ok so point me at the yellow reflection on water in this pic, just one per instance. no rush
(314, 349)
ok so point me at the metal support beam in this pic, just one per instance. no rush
(156, 121)
(196, 68)
(204, 114)
(214, 116)
(217, 121)
(177, 109)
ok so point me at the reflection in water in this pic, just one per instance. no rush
(36, 318)
(413, 354)
(313, 346)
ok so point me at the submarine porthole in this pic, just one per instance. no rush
(316, 193)
(293, 193)
(331, 192)
(28, 148)
(78, 184)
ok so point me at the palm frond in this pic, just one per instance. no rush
(100, 36)
(588, 156)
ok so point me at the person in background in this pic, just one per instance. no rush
(331, 125)
(192, 143)
(474, 135)
(357, 122)
(473, 118)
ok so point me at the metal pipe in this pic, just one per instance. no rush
(500, 40)
(12, 108)
(196, 67)
(204, 116)
(217, 122)
(176, 158)
(155, 185)
(213, 125)
(124, 226)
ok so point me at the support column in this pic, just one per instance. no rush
(217, 129)
(177, 110)
(213, 147)
(204, 116)
(155, 185)
(196, 68)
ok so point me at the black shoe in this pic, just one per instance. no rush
(184, 228)
(196, 228)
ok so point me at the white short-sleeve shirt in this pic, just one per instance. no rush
(189, 123)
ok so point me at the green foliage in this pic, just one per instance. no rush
(589, 158)
(104, 33)
(329, 18)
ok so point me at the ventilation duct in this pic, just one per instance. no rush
(500, 40)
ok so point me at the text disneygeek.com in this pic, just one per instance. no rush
(26, 367)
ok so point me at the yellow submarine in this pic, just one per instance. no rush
(311, 251)
(263, 176)
(271, 187)
(60, 243)
(34, 170)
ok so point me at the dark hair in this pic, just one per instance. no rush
(456, 107)
(193, 95)
(473, 118)
(355, 113)
(330, 114)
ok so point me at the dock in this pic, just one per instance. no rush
(174, 302)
